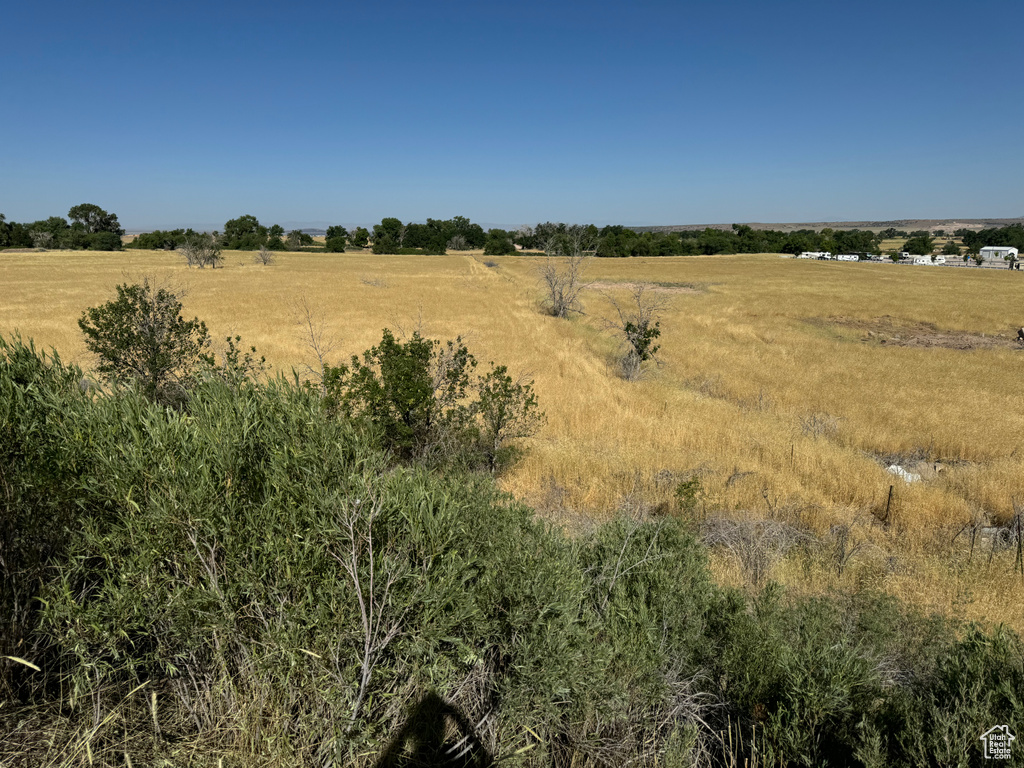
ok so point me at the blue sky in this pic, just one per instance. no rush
(638, 113)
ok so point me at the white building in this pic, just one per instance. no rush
(998, 253)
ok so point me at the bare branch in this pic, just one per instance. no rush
(264, 256)
(562, 271)
(313, 331)
(638, 325)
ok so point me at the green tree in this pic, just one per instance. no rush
(508, 411)
(104, 241)
(422, 401)
(921, 244)
(275, 235)
(141, 337)
(52, 233)
(499, 243)
(950, 249)
(335, 240)
(94, 219)
(361, 237)
(388, 235)
(244, 234)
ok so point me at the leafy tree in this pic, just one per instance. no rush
(950, 249)
(275, 235)
(50, 233)
(159, 239)
(361, 237)
(499, 243)
(244, 234)
(94, 219)
(394, 390)
(104, 241)
(920, 244)
(14, 234)
(422, 401)
(508, 411)
(388, 235)
(438, 233)
(474, 233)
(335, 240)
(335, 245)
(141, 337)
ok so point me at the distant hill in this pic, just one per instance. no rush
(909, 225)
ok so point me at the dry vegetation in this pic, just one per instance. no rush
(781, 400)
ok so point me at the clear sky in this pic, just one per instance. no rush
(191, 113)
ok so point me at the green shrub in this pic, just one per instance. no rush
(43, 450)
(286, 594)
(104, 241)
(422, 401)
(141, 337)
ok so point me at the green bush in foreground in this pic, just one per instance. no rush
(423, 401)
(253, 581)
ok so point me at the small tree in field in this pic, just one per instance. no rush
(562, 271)
(141, 337)
(264, 256)
(637, 324)
(201, 250)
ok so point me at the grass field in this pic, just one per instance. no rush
(785, 389)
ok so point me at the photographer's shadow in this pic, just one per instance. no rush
(424, 741)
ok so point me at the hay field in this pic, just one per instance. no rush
(786, 388)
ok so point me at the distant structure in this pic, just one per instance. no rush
(999, 253)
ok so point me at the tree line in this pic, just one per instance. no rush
(1011, 236)
(242, 234)
(90, 228)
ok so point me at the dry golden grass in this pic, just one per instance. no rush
(779, 409)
